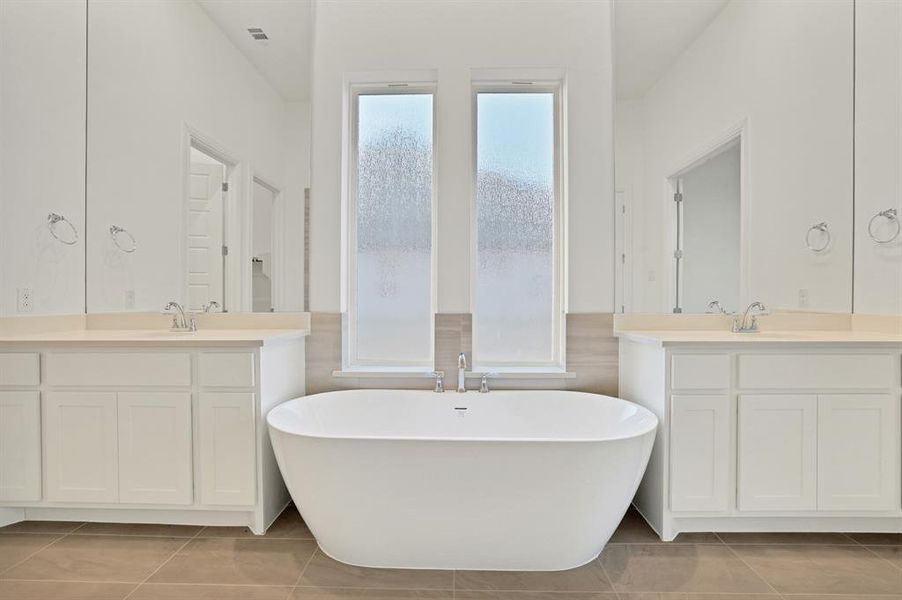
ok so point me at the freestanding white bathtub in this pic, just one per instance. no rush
(525, 480)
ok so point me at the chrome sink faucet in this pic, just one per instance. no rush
(745, 325)
(180, 322)
(461, 370)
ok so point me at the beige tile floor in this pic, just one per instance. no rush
(102, 561)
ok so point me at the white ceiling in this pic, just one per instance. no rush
(649, 36)
(284, 59)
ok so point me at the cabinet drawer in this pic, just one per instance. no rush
(824, 371)
(118, 368)
(20, 368)
(226, 369)
(700, 371)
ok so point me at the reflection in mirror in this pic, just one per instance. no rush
(707, 233)
(693, 75)
(207, 254)
(263, 258)
(186, 110)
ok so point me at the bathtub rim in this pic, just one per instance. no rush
(647, 429)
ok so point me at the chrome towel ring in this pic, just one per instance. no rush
(890, 215)
(52, 220)
(130, 246)
(825, 232)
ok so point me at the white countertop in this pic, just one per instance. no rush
(673, 337)
(154, 337)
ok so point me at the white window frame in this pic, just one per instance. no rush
(350, 360)
(558, 362)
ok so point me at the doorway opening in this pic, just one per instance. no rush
(707, 231)
(265, 247)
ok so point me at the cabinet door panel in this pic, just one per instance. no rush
(777, 452)
(155, 447)
(699, 453)
(227, 458)
(81, 444)
(858, 452)
(20, 446)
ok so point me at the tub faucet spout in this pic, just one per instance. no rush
(461, 369)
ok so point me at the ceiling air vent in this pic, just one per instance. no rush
(257, 33)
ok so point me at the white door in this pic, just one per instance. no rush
(858, 452)
(155, 447)
(205, 235)
(777, 452)
(20, 446)
(226, 438)
(81, 445)
(699, 453)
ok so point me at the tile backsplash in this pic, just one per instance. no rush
(591, 354)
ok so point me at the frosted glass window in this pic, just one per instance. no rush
(516, 316)
(391, 293)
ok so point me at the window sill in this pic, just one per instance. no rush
(521, 374)
(383, 374)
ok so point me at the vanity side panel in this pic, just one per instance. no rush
(282, 378)
(642, 380)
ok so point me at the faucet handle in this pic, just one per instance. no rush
(439, 381)
(461, 361)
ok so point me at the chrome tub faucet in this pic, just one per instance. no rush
(461, 373)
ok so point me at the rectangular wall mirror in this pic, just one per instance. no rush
(743, 112)
(197, 153)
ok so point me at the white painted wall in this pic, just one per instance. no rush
(42, 151)
(787, 68)
(454, 38)
(155, 67)
(878, 153)
(711, 225)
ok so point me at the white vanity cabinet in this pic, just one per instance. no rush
(20, 445)
(82, 457)
(777, 455)
(147, 433)
(155, 444)
(769, 436)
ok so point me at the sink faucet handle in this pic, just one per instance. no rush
(439, 381)
(461, 361)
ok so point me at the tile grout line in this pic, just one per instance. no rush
(606, 575)
(163, 564)
(44, 547)
(749, 567)
(32, 555)
(303, 570)
(874, 553)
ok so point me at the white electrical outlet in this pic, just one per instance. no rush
(803, 298)
(129, 299)
(24, 300)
